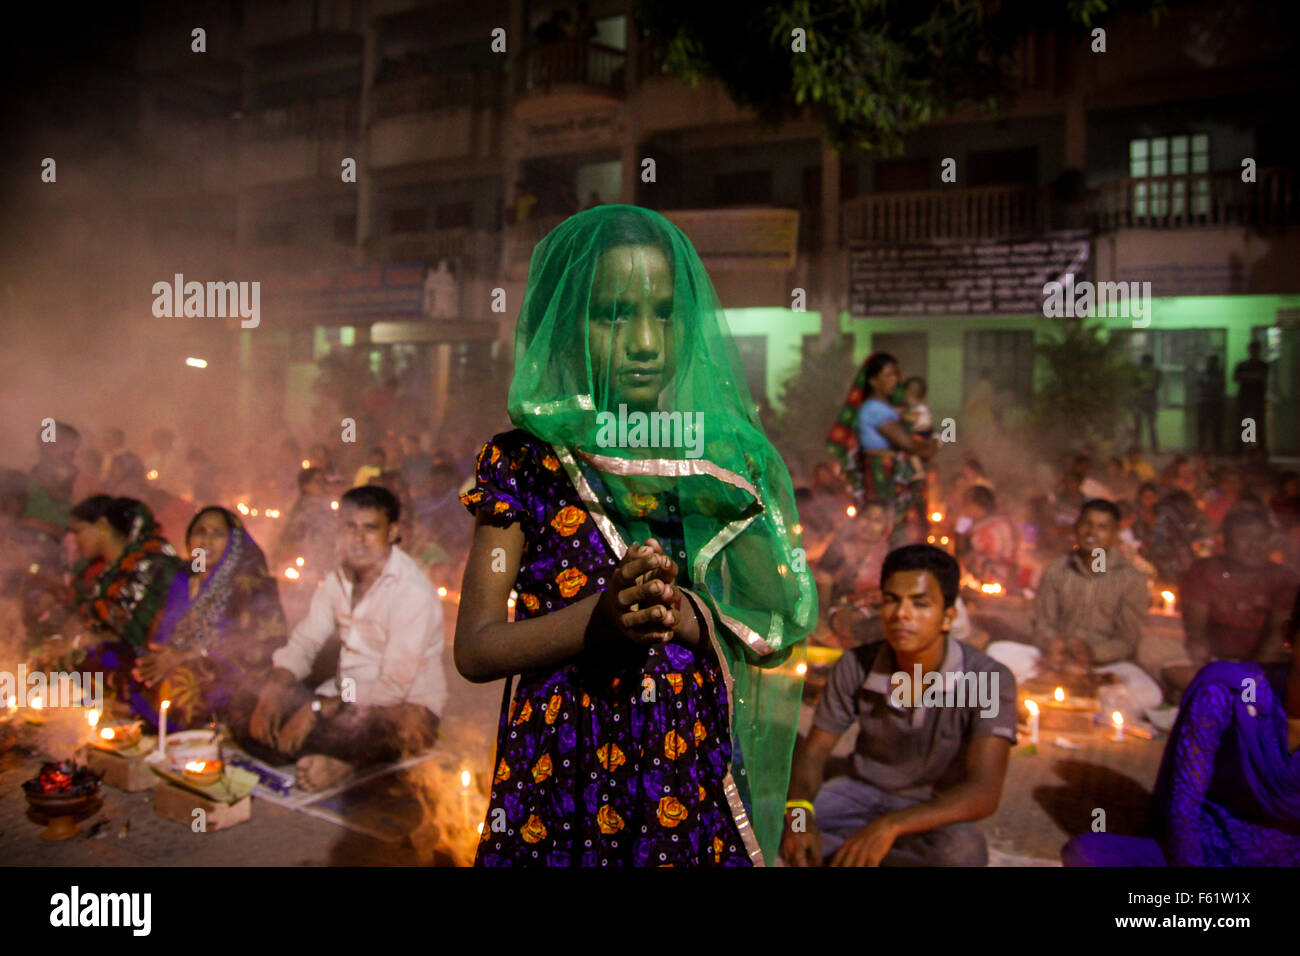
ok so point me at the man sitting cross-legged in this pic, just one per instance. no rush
(925, 768)
(390, 687)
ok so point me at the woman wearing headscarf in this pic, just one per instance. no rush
(647, 528)
(1228, 791)
(871, 441)
(221, 622)
(119, 586)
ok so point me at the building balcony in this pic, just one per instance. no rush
(978, 213)
(476, 249)
(475, 89)
(1196, 200)
(571, 72)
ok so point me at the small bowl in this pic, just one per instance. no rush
(209, 774)
(126, 734)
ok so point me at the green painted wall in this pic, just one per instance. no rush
(784, 331)
(1238, 314)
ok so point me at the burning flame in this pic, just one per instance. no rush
(936, 516)
(1059, 695)
(801, 668)
(92, 717)
(464, 778)
(1168, 596)
(480, 828)
(299, 561)
(292, 574)
(153, 474)
(797, 528)
(37, 703)
(196, 766)
(1031, 706)
(108, 733)
(993, 588)
(242, 508)
(306, 464)
(1117, 719)
(334, 505)
(851, 511)
(944, 539)
(254, 512)
(442, 592)
(930, 539)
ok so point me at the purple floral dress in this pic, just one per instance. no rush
(613, 758)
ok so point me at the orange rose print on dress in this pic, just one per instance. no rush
(703, 793)
(610, 757)
(586, 699)
(700, 732)
(496, 455)
(553, 708)
(499, 507)
(608, 820)
(471, 497)
(640, 504)
(503, 772)
(524, 712)
(699, 679)
(675, 682)
(570, 582)
(568, 520)
(529, 601)
(551, 463)
(542, 769)
(672, 811)
(534, 830)
(674, 745)
(717, 849)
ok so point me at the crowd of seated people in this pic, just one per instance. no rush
(169, 595)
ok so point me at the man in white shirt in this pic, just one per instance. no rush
(390, 688)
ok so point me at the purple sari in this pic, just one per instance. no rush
(1228, 791)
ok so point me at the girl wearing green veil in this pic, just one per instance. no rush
(646, 527)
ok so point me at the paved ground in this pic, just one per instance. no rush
(1049, 795)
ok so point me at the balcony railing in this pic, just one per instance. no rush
(327, 118)
(477, 249)
(979, 213)
(477, 89)
(1196, 199)
(571, 62)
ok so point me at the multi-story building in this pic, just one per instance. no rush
(471, 137)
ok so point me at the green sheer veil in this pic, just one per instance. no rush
(625, 363)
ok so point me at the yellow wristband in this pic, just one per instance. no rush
(802, 804)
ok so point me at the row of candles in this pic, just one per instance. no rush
(1031, 705)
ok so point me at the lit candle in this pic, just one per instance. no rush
(442, 592)
(801, 668)
(1058, 695)
(306, 464)
(936, 517)
(851, 511)
(1118, 720)
(1032, 707)
(300, 561)
(92, 717)
(37, 703)
(334, 505)
(108, 733)
(1168, 598)
(162, 727)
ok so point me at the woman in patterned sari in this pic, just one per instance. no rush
(221, 622)
(662, 597)
(119, 586)
(885, 467)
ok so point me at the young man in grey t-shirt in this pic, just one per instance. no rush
(937, 720)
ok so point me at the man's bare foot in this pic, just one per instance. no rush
(318, 772)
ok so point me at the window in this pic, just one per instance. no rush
(1002, 167)
(411, 219)
(455, 215)
(1179, 354)
(901, 175)
(743, 189)
(1162, 157)
(1005, 358)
